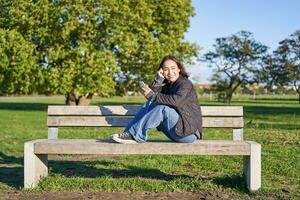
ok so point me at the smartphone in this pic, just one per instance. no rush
(142, 84)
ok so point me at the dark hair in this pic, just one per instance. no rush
(180, 66)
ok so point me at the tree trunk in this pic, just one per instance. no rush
(228, 97)
(72, 100)
(297, 88)
(85, 100)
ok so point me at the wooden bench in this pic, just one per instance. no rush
(36, 152)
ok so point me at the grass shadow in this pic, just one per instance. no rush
(23, 106)
(235, 181)
(44, 106)
(267, 110)
(87, 169)
(11, 170)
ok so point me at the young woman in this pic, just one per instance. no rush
(172, 107)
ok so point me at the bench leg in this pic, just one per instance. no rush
(52, 132)
(252, 167)
(237, 134)
(35, 166)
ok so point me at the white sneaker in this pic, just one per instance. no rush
(124, 138)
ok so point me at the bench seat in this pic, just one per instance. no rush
(165, 147)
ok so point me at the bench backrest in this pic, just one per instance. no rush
(119, 116)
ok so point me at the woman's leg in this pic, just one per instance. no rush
(152, 119)
(126, 137)
(148, 105)
(168, 127)
(152, 115)
(182, 139)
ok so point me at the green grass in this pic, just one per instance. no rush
(273, 122)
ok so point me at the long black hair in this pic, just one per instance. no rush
(180, 66)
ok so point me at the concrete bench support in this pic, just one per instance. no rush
(35, 165)
(237, 134)
(252, 167)
(52, 132)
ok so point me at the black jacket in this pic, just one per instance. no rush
(181, 96)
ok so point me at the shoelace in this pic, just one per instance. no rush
(123, 135)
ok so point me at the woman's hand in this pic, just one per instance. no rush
(160, 73)
(146, 90)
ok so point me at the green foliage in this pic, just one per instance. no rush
(235, 59)
(66, 38)
(19, 72)
(142, 32)
(87, 46)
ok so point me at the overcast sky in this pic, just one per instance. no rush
(269, 20)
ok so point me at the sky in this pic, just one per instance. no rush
(270, 21)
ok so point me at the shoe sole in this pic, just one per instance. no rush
(118, 140)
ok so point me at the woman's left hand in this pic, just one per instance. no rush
(146, 90)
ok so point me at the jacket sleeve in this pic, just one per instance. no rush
(157, 84)
(176, 99)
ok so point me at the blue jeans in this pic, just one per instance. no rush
(152, 115)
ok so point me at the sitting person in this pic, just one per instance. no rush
(172, 107)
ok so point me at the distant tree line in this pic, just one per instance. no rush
(214, 91)
(239, 61)
(79, 48)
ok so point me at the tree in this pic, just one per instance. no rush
(65, 37)
(142, 32)
(236, 60)
(288, 62)
(19, 72)
(88, 47)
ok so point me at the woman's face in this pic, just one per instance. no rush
(170, 70)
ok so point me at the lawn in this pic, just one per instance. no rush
(272, 121)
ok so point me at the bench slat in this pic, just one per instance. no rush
(223, 122)
(88, 121)
(83, 146)
(233, 111)
(93, 110)
(77, 121)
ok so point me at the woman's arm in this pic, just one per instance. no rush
(178, 98)
(157, 82)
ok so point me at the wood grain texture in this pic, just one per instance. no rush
(233, 111)
(94, 121)
(107, 146)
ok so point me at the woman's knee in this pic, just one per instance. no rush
(166, 109)
(186, 139)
